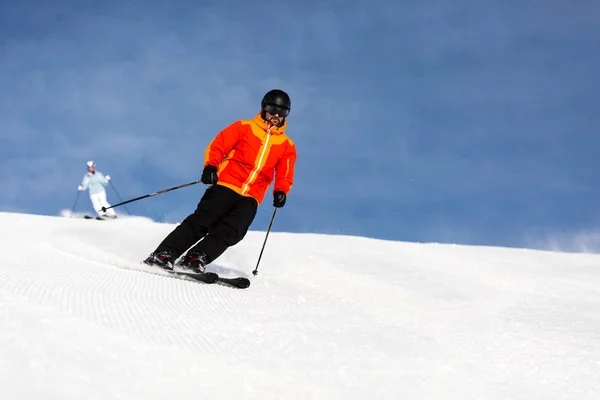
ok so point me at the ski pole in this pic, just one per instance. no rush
(75, 204)
(151, 194)
(255, 272)
(120, 199)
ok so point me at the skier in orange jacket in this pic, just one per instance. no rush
(240, 164)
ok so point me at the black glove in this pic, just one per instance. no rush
(279, 199)
(209, 175)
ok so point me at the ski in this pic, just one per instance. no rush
(91, 217)
(203, 277)
(211, 277)
(239, 282)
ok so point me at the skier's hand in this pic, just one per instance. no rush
(107, 177)
(80, 188)
(279, 198)
(209, 175)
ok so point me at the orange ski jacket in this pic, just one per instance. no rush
(248, 155)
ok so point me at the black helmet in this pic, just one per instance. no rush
(277, 98)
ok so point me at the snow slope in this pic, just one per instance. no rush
(328, 317)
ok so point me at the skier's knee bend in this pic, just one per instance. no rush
(197, 222)
(229, 235)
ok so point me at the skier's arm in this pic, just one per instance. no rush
(101, 178)
(85, 182)
(284, 170)
(222, 144)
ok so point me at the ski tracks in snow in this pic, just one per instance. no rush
(78, 275)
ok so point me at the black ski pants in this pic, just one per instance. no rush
(221, 220)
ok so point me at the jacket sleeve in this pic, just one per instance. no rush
(101, 178)
(222, 144)
(284, 170)
(85, 182)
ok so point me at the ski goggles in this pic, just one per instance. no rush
(273, 109)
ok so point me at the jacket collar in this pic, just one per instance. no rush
(264, 125)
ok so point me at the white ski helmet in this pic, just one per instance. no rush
(91, 164)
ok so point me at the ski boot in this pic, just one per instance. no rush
(194, 261)
(163, 259)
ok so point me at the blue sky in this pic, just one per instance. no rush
(463, 121)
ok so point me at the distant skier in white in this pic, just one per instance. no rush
(95, 181)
